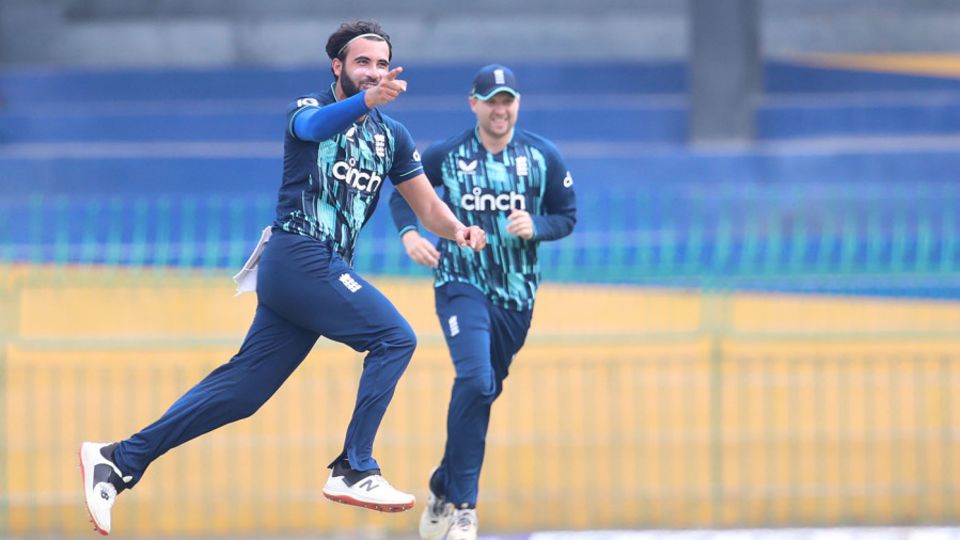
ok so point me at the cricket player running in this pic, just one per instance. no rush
(514, 185)
(338, 149)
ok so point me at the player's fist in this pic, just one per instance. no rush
(420, 249)
(386, 90)
(472, 237)
(520, 224)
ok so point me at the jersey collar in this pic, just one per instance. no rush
(476, 135)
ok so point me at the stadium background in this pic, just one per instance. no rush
(743, 335)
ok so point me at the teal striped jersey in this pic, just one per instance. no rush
(331, 188)
(482, 188)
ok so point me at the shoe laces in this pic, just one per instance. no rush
(465, 519)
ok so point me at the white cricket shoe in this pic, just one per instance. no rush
(365, 490)
(102, 481)
(464, 525)
(436, 518)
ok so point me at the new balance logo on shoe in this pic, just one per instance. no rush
(369, 484)
(350, 283)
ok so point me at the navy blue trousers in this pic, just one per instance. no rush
(483, 339)
(305, 291)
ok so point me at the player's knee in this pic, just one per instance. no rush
(396, 347)
(403, 337)
(479, 386)
(498, 390)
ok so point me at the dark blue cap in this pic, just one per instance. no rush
(492, 80)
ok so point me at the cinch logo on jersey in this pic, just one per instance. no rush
(478, 200)
(356, 178)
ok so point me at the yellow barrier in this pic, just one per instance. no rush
(932, 64)
(627, 408)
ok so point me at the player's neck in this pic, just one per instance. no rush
(493, 144)
(338, 92)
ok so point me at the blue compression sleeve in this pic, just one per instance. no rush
(319, 124)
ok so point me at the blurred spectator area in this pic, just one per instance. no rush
(291, 32)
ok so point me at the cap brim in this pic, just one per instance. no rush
(495, 91)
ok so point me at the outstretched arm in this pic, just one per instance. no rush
(314, 123)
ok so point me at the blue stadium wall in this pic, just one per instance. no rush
(851, 185)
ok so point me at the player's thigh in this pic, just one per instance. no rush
(272, 348)
(509, 329)
(465, 320)
(361, 316)
(311, 286)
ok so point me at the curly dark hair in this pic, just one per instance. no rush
(336, 44)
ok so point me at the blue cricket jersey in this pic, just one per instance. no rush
(331, 188)
(483, 189)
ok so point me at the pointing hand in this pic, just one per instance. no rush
(387, 90)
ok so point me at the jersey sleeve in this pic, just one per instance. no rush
(559, 200)
(298, 106)
(433, 158)
(406, 158)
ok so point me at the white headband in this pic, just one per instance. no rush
(369, 35)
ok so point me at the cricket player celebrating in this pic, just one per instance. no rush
(338, 150)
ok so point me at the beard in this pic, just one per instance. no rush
(349, 88)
